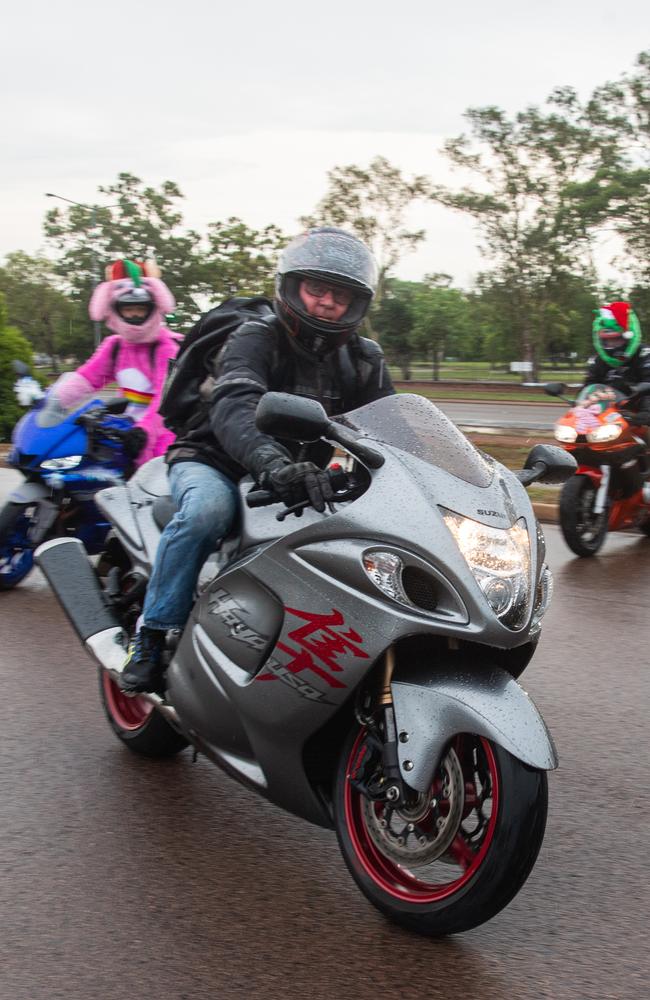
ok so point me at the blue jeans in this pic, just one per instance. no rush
(207, 503)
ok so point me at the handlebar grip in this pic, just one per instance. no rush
(260, 498)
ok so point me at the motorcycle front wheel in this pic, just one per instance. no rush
(583, 530)
(456, 856)
(16, 554)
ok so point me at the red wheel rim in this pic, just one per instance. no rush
(397, 880)
(127, 712)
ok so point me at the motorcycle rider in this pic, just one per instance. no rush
(310, 346)
(621, 360)
(132, 302)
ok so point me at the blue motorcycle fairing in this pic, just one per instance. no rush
(60, 440)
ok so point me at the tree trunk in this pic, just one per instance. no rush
(436, 365)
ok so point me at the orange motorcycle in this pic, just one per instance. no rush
(610, 490)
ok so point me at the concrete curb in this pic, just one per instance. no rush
(548, 512)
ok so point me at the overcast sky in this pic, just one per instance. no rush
(247, 105)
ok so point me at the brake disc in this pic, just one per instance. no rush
(422, 832)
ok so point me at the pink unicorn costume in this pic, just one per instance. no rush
(136, 357)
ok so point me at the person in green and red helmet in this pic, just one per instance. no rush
(621, 360)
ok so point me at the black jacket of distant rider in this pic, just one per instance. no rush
(258, 358)
(625, 378)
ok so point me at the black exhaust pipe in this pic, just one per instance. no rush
(64, 561)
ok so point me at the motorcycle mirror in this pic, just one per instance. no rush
(547, 463)
(116, 405)
(20, 368)
(554, 388)
(282, 415)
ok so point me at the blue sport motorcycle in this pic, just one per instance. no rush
(65, 457)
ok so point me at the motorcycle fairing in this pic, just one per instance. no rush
(433, 704)
(334, 624)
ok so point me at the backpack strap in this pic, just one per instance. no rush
(115, 350)
(153, 349)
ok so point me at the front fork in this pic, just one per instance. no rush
(379, 777)
(600, 502)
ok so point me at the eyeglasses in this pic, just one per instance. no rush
(342, 296)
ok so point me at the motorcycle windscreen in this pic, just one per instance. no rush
(413, 424)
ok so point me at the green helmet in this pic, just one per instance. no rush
(616, 333)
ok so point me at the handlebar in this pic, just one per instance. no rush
(260, 498)
(345, 487)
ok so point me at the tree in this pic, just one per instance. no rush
(372, 203)
(393, 320)
(441, 319)
(144, 222)
(240, 260)
(524, 167)
(141, 222)
(618, 193)
(37, 307)
(13, 347)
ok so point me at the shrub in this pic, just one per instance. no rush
(13, 347)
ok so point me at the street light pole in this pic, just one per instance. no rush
(97, 327)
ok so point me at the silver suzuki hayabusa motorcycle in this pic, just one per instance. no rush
(356, 667)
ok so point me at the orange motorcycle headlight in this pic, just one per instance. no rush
(604, 433)
(565, 434)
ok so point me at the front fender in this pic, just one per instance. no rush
(434, 704)
(29, 492)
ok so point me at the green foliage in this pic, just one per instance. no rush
(532, 230)
(240, 260)
(35, 305)
(393, 319)
(442, 320)
(425, 319)
(143, 222)
(13, 347)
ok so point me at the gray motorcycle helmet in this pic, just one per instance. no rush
(135, 297)
(332, 255)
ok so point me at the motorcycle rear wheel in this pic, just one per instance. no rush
(16, 559)
(583, 531)
(473, 848)
(136, 722)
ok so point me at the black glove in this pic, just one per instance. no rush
(133, 441)
(294, 482)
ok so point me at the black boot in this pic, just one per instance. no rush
(143, 667)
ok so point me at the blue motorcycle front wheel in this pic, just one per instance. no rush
(16, 553)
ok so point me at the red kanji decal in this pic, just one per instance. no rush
(318, 640)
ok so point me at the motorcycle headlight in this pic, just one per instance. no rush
(543, 595)
(565, 433)
(57, 464)
(499, 559)
(606, 432)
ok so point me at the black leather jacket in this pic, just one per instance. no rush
(258, 358)
(625, 378)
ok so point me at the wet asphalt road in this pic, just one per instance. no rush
(127, 878)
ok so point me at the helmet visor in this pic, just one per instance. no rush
(135, 306)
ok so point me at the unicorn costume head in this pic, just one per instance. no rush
(133, 301)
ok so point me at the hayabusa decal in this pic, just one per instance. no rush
(224, 605)
(320, 641)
